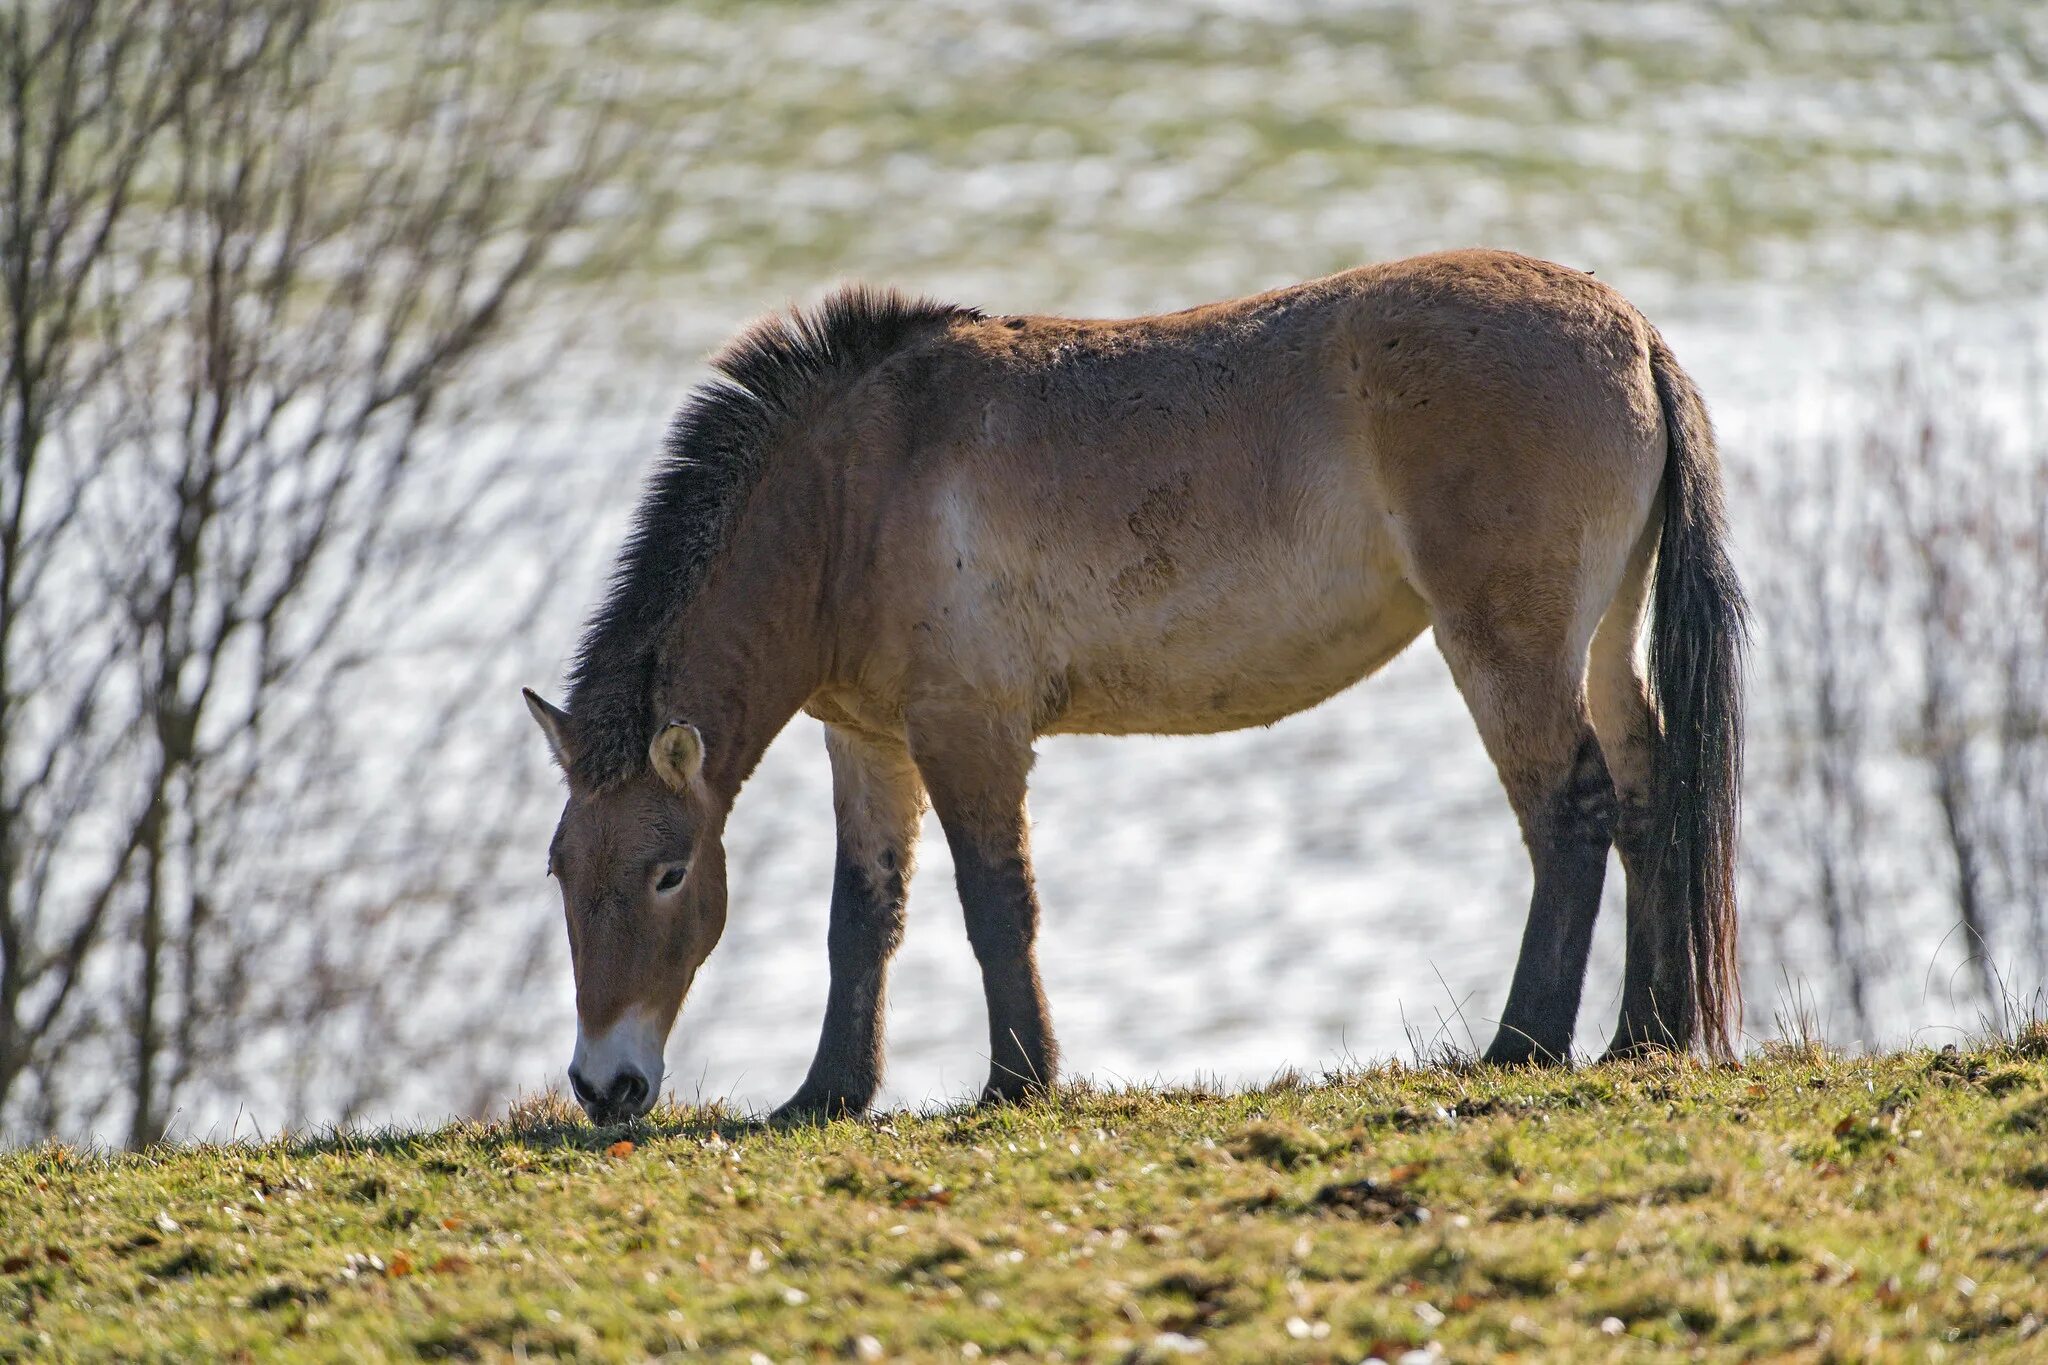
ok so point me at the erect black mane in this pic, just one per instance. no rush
(711, 458)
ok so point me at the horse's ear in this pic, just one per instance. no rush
(677, 754)
(553, 722)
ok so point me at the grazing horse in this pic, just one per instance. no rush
(944, 534)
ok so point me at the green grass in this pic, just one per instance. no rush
(940, 145)
(1867, 1208)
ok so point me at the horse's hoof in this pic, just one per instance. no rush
(1521, 1051)
(994, 1096)
(813, 1111)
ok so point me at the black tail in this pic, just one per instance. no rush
(1699, 629)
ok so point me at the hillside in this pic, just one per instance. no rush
(1869, 1208)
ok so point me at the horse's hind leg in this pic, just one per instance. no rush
(975, 764)
(1656, 993)
(1526, 692)
(878, 802)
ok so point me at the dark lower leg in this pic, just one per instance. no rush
(867, 927)
(1568, 836)
(878, 803)
(1001, 906)
(1656, 992)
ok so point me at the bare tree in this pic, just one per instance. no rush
(250, 452)
(1902, 582)
(1811, 825)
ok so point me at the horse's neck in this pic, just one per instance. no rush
(744, 656)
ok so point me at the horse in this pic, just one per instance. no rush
(945, 534)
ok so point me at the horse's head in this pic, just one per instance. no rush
(641, 864)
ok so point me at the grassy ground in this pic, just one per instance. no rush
(1874, 1208)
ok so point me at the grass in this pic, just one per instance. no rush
(1803, 1204)
(1117, 157)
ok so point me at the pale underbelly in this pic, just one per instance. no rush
(1230, 675)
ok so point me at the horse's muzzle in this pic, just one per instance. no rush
(627, 1097)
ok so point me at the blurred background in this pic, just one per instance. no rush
(340, 336)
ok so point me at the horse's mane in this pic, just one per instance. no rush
(711, 459)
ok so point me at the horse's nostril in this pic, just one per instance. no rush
(581, 1089)
(628, 1090)
(626, 1096)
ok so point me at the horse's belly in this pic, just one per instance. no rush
(1205, 603)
(1235, 664)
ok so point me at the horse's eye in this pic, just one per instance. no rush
(670, 876)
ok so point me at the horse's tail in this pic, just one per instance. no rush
(1699, 629)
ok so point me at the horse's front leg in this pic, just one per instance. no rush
(878, 802)
(975, 764)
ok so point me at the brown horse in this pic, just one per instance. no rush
(945, 534)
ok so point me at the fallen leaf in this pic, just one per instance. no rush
(1401, 1175)
(56, 1255)
(452, 1223)
(937, 1195)
(1464, 1303)
(450, 1265)
(623, 1147)
(1926, 1243)
(398, 1266)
